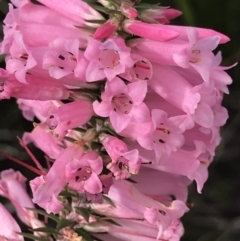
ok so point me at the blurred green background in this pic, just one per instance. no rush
(216, 212)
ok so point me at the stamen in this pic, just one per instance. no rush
(61, 57)
(162, 212)
(24, 56)
(146, 163)
(196, 51)
(122, 103)
(194, 60)
(165, 130)
(204, 162)
(140, 66)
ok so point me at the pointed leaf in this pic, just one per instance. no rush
(67, 138)
(113, 222)
(84, 234)
(108, 200)
(65, 223)
(44, 213)
(84, 212)
(79, 129)
(33, 237)
(66, 193)
(46, 230)
(96, 21)
(96, 239)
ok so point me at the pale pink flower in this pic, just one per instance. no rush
(175, 185)
(123, 103)
(137, 206)
(62, 58)
(14, 187)
(21, 59)
(76, 10)
(167, 136)
(35, 89)
(9, 226)
(149, 31)
(198, 54)
(124, 162)
(44, 141)
(83, 173)
(67, 116)
(108, 59)
(140, 71)
(46, 189)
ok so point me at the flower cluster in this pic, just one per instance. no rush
(129, 111)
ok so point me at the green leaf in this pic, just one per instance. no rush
(84, 212)
(86, 235)
(64, 223)
(96, 239)
(46, 230)
(33, 237)
(66, 193)
(96, 21)
(108, 200)
(95, 145)
(112, 222)
(99, 8)
(69, 139)
(44, 213)
(80, 129)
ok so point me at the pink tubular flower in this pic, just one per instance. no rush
(63, 57)
(140, 71)
(106, 30)
(21, 59)
(167, 136)
(46, 189)
(123, 103)
(9, 226)
(83, 173)
(106, 60)
(35, 89)
(124, 162)
(68, 116)
(76, 10)
(129, 114)
(13, 184)
(199, 53)
(45, 142)
(149, 31)
(138, 206)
